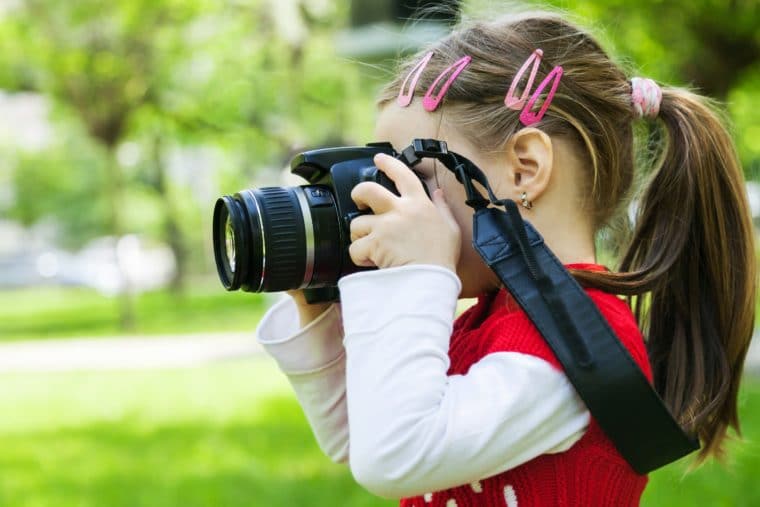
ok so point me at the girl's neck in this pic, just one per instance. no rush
(566, 233)
(573, 252)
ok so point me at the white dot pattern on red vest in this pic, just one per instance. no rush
(510, 497)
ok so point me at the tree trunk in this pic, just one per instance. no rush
(115, 193)
(172, 228)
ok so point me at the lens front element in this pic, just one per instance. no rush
(231, 237)
(229, 240)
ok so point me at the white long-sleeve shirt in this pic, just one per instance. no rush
(372, 379)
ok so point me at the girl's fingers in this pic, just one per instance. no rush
(360, 252)
(406, 181)
(373, 196)
(362, 225)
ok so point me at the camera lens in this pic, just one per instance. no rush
(229, 240)
(277, 238)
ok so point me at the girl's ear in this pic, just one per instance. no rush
(530, 156)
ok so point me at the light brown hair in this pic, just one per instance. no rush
(688, 268)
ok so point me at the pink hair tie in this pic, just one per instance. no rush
(646, 97)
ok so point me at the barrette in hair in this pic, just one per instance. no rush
(528, 117)
(510, 100)
(405, 98)
(430, 102)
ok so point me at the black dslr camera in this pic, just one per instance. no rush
(280, 238)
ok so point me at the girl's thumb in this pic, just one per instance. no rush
(440, 202)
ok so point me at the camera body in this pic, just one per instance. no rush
(281, 238)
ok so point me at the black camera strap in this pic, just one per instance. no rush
(612, 386)
(610, 383)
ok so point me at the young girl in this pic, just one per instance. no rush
(477, 411)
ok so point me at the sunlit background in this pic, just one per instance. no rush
(128, 376)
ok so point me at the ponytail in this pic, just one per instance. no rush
(690, 270)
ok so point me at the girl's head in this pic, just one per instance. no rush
(689, 265)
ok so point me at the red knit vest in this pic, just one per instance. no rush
(591, 473)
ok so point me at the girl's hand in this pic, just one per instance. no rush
(405, 229)
(307, 312)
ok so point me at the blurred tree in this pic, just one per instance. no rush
(102, 61)
(167, 73)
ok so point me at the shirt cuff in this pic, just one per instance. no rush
(301, 350)
(372, 299)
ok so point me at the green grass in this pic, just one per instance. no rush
(50, 312)
(228, 435)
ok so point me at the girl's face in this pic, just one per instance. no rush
(399, 126)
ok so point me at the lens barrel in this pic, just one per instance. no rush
(283, 238)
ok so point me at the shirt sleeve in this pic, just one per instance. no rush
(314, 361)
(414, 428)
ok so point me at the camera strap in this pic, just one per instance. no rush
(616, 392)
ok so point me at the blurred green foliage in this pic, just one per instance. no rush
(63, 183)
(248, 80)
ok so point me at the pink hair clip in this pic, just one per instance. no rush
(430, 102)
(527, 117)
(405, 98)
(509, 100)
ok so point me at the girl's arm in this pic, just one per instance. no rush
(414, 428)
(312, 357)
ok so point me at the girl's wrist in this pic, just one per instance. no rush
(307, 313)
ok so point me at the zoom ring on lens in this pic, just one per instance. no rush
(308, 224)
(284, 231)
